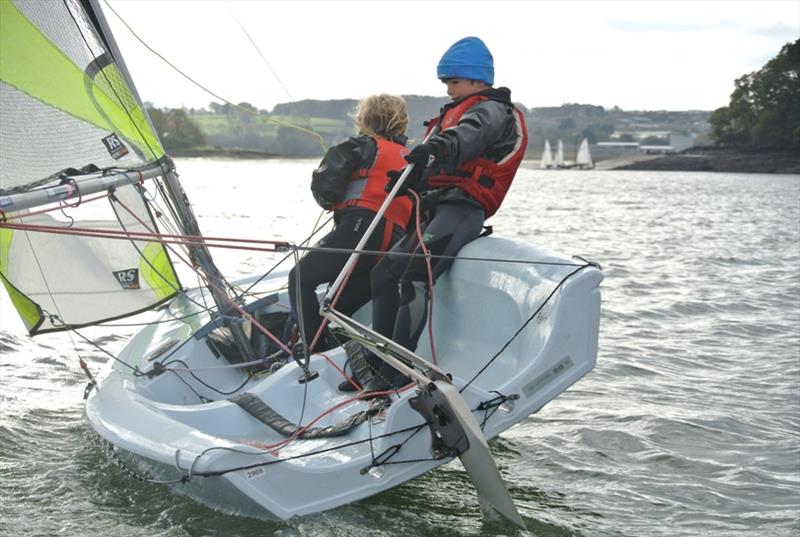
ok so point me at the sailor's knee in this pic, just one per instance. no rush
(411, 290)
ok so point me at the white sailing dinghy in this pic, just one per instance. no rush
(560, 155)
(546, 161)
(205, 396)
(583, 159)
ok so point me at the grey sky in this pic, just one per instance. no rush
(675, 55)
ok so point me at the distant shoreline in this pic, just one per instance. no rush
(695, 159)
(713, 159)
(704, 159)
(222, 152)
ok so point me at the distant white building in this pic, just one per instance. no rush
(677, 142)
(619, 145)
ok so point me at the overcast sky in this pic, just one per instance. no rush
(645, 55)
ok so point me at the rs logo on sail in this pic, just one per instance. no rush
(115, 147)
(128, 279)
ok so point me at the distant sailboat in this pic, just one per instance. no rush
(584, 159)
(560, 155)
(547, 156)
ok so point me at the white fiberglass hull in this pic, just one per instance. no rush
(178, 426)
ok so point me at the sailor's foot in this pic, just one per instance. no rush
(362, 365)
(386, 379)
(349, 387)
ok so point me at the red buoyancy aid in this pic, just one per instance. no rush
(486, 181)
(367, 185)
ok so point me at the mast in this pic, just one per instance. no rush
(199, 255)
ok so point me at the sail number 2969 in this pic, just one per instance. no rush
(254, 473)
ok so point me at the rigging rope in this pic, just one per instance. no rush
(230, 302)
(264, 59)
(269, 246)
(427, 255)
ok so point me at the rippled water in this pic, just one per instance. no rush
(689, 425)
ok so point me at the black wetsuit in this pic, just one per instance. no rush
(350, 223)
(318, 267)
(400, 312)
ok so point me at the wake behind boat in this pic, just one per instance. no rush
(207, 396)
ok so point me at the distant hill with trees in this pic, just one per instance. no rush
(284, 130)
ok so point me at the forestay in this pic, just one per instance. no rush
(64, 106)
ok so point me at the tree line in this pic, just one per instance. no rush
(243, 127)
(764, 108)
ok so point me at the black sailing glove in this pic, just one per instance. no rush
(421, 157)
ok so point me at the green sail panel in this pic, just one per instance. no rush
(42, 71)
(157, 272)
(29, 311)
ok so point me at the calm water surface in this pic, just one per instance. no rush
(689, 425)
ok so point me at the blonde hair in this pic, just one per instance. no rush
(382, 115)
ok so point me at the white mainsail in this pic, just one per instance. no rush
(584, 157)
(560, 155)
(547, 156)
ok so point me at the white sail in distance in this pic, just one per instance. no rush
(560, 155)
(584, 157)
(547, 156)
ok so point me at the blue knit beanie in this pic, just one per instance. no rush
(467, 58)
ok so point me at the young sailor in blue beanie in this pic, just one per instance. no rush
(467, 59)
(462, 173)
